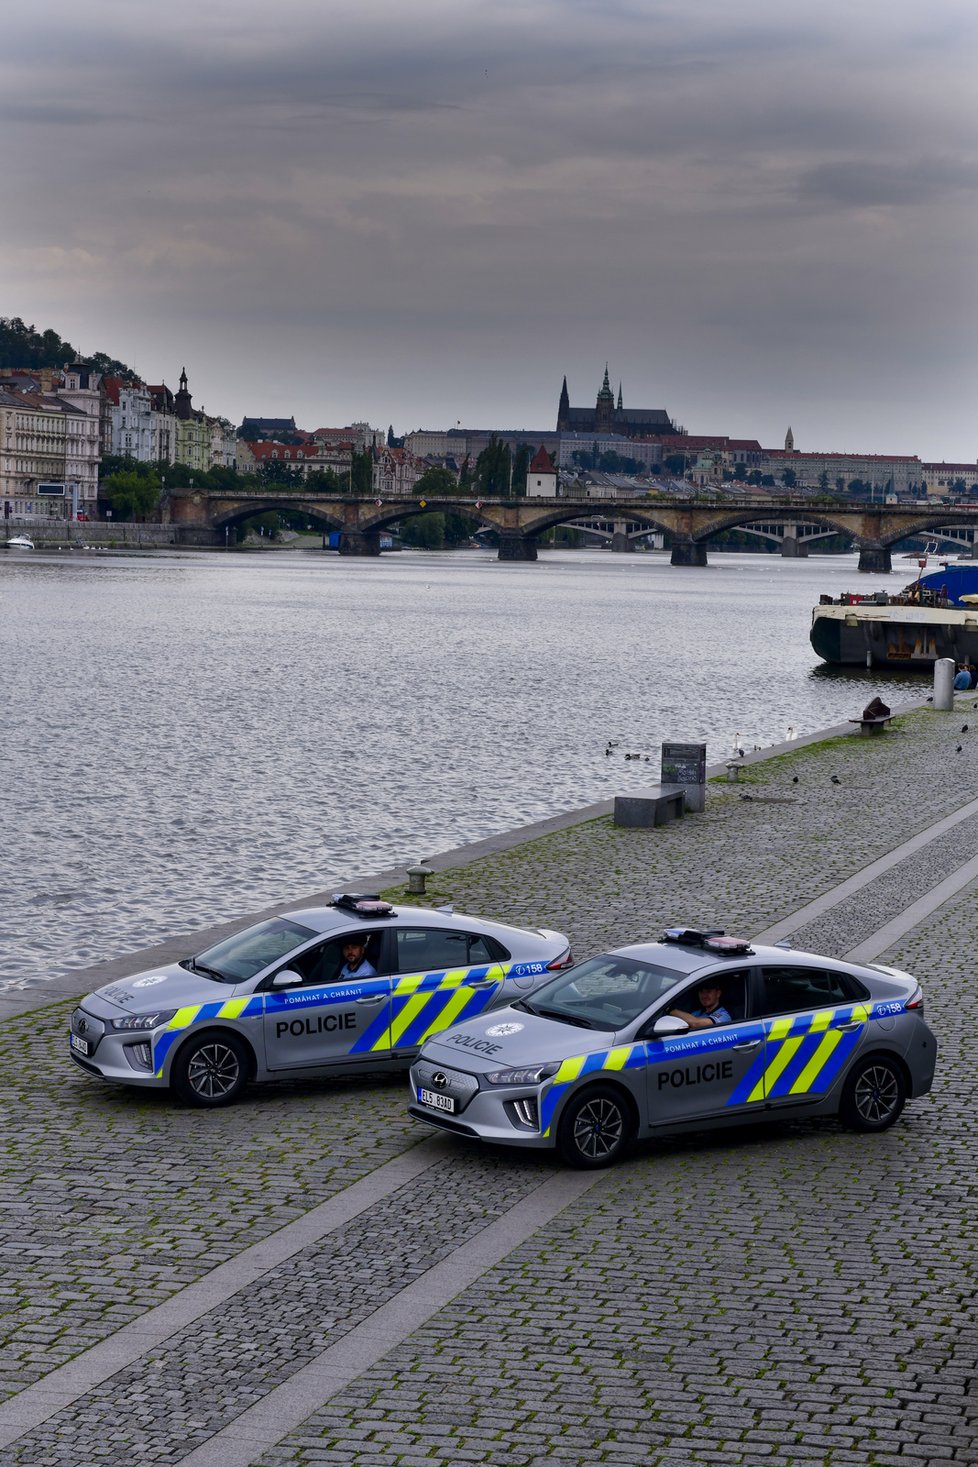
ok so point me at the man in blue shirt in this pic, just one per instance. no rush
(710, 1011)
(355, 963)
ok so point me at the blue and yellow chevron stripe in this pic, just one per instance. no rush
(799, 1054)
(420, 1004)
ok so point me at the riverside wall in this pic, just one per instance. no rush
(309, 1277)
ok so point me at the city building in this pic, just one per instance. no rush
(50, 443)
(949, 481)
(608, 418)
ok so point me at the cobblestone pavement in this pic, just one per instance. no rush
(787, 1295)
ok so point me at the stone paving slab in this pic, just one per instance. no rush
(788, 1295)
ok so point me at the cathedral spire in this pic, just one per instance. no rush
(563, 408)
(619, 396)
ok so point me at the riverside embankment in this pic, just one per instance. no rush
(309, 1278)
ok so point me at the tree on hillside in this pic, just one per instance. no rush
(325, 481)
(521, 467)
(435, 483)
(362, 472)
(492, 469)
(132, 495)
(277, 472)
(789, 478)
(23, 346)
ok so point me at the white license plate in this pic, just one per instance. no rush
(81, 1045)
(436, 1102)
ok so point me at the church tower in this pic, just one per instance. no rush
(182, 401)
(563, 409)
(604, 408)
(789, 442)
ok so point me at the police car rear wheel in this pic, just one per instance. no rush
(595, 1128)
(874, 1095)
(211, 1070)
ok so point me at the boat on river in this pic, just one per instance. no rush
(19, 542)
(935, 616)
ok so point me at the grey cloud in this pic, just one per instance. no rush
(865, 183)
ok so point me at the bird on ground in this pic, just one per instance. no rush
(794, 779)
(958, 748)
(739, 753)
(836, 779)
(964, 728)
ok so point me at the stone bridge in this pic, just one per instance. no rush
(202, 516)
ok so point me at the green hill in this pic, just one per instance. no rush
(22, 346)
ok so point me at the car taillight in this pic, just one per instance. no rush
(916, 1001)
(566, 960)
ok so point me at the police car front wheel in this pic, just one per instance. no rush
(874, 1095)
(211, 1070)
(595, 1128)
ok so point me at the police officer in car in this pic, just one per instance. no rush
(710, 1011)
(355, 963)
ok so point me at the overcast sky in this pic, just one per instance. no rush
(760, 214)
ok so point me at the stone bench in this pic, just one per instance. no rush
(655, 806)
(874, 725)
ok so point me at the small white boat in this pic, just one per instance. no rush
(19, 542)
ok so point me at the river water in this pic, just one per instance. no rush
(189, 737)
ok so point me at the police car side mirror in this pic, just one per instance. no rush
(668, 1027)
(287, 978)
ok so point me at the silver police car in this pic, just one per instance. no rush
(698, 1030)
(353, 986)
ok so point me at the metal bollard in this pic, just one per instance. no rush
(944, 683)
(417, 876)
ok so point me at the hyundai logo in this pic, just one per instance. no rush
(82, 1026)
(440, 1079)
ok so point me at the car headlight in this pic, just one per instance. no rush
(144, 1021)
(525, 1075)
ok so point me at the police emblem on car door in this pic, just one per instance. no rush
(441, 978)
(703, 1072)
(316, 1012)
(816, 1020)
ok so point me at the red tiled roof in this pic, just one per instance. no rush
(541, 463)
(263, 449)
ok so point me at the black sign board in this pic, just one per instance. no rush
(683, 764)
(51, 489)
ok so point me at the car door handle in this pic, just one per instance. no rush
(848, 1028)
(749, 1044)
(480, 983)
(372, 998)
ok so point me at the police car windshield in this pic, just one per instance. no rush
(246, 953)
(606, 992)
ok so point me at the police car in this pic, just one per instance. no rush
(697, 1030)
(351, 986)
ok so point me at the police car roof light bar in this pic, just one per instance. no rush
(690, 936)
(728, 947)
(362, 904)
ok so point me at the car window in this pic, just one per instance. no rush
(787, 990)
(420, 949)
(733, 994)
(246, 953)
(606, 992)
(325, 962)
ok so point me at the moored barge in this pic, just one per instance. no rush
(935, 616)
